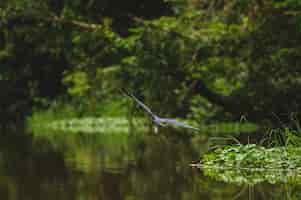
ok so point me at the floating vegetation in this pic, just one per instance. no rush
(54, 121)
(233, 128)
(91, 125)
(252, 177)
(252, 164)
(119, 124)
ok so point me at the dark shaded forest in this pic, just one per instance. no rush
(207, 60)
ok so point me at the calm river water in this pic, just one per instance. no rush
(63, 166)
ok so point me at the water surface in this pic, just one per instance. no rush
(116, 167)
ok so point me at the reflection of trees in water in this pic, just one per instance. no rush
(29, 174)
(164, 173)
(160, 174)
(252, 177)
(80, 166)
(266, 191)
(258, 184)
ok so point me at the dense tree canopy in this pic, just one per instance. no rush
(213, 60)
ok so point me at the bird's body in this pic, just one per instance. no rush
(158, 120)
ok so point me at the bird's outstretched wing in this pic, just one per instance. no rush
(177, 123)
(147, 109)
(158, 120)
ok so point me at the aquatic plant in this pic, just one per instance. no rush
(286, 135)
(252, 163)
(254, 157)
(89, 125)
(122, 124)
(250, 177)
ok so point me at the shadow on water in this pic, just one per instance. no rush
(113, 167)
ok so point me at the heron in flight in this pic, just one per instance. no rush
(156, 119)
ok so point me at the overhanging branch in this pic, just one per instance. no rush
(25, 20)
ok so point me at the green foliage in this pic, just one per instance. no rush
(209, 60)
(252, 164)
(79, 82)
(228, 128)
(42, 119)
(249, 177)
(254, 158)
(287, 135)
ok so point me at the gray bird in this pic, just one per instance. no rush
(158, 120)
